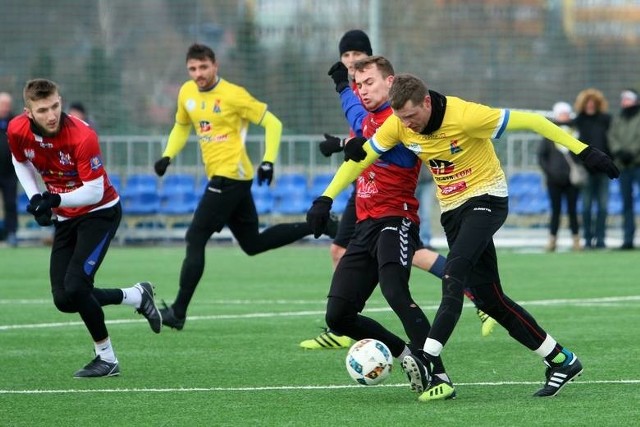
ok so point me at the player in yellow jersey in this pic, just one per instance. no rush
(453, 137)
(221, 112)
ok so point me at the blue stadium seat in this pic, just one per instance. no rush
(141, 203)
(178, 184)
(287, 183)
(140, 184)
(179, 203)
(296, 201)
(614, 206)
(614, 188)
(319, 183)
(116, 181)
(23, 202)
(340, 202)
(523, 183)
(262, 197)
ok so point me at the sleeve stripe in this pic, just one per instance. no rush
(502, 124)
(376, 147)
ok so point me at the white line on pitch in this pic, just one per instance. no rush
(578, 301)
(276, 388)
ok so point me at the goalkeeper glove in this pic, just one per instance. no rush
(318, 215)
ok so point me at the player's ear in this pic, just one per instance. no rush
(389, 80)
(28, 112)
(427, 101)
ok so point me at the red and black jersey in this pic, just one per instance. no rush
(388, 186)
(63, 161)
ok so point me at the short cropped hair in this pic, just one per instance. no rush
(200, 52)
(406, 87)
(382, 63)
(37, 89)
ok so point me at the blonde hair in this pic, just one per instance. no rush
(602, 105)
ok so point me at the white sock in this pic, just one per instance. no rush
(105, 351)
(132, 296)
(432, 347)
(546, 347)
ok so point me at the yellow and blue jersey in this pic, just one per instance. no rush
(221, 118)
(460, 153)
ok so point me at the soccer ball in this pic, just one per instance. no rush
(369, 362)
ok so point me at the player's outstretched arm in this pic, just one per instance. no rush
(594, 159)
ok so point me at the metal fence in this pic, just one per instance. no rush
(131, 154)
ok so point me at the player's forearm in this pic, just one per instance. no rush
(353, 109)
(520, 120)
(177, 140)
(26, 174)
(272, 134)
(348, 172)
(90, 193)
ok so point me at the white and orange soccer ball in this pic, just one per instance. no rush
(369, 362)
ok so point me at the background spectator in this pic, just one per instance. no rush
(624, 141)
(592, 124)
(555, 161)
(77, 109)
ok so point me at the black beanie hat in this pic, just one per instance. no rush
(355, 40)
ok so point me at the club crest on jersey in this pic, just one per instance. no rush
(65, 158)
(216, 106)
(96, 162)
(453, 147)
(441, 167)
(29, 154)
(205, 126)
(366, 187)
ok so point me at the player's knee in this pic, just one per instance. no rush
(196, 237)
(63, 303)
(251, 247)
(456, 271)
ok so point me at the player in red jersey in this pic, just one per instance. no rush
(84, 209)
(386, 234)
(364, 117)
(455, 137)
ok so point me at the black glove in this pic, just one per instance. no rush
(162, 165)
(40, 208)
(353, 149)
(597, 161)
(331, 144)
(340, 76)
(626, 157)
(318, 215)
(265, 173)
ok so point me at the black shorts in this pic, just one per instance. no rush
(469, 230)
(226, 202)
(347, 225)
(80, 244)
(374, 244)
